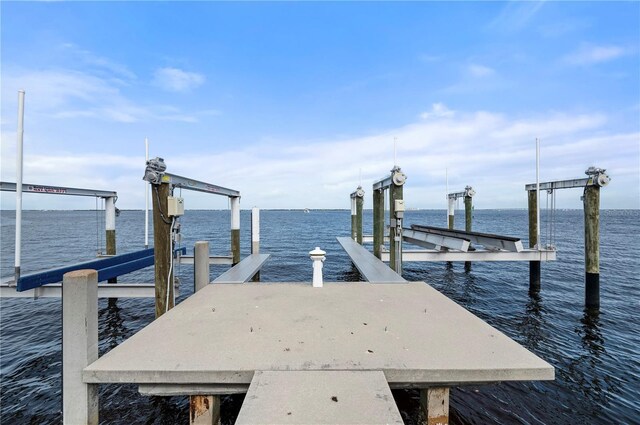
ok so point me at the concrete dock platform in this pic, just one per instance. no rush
(319, 397)
(224, 333)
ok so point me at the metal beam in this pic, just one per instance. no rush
(562, 184)
(198, 186)
(487, 240)
(57, 190)
(105, 290)
(383, 183)
(477, 255)
(431, 240)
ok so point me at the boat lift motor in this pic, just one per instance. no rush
(155, 170)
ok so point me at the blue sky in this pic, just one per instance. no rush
(294, 103)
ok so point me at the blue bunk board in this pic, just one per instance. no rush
(107, 268)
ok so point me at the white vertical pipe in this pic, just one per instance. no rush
(353, 206)
(538, 191)
(110, 213)
(255, 230)
(446, 195)
(19, 143)
(452, 208)
(147, 187)
(235, 213)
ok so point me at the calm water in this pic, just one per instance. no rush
(596, 356)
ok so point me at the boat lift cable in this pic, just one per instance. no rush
(170, 251)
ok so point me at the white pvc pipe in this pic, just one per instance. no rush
(19, 143)
(146, 198)
(538, 191)
(110, 213)
(452, 207)
(353, 206)
(235, 213)
(255, 230)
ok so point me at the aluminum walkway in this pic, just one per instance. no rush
(371, 269)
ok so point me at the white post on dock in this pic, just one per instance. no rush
(451, 209)
(110, 228)
(235, 229)
(19, 143)
(318, 257)
(79, 346)
(147, 187)
(200, 265)
(538, 192)
(255, 236)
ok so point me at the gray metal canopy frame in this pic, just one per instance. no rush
(57, 190)
(198, 186)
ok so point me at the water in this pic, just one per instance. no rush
(596, 356)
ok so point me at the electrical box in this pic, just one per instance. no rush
(399, 205)
(175, 206)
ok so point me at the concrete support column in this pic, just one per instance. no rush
(435, 405)
(359, 206)
(235, 229)
(592, 246)
(162, 248)
(110, 228)
(255, 236)
(203, 409)
(378, 222)
(200, 265)
(79, 346)
(534, 266)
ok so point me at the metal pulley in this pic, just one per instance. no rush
(598, 176)
(360, 192)
(398, 177)
(468, 191)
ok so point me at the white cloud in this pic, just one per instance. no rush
(177, 80)
(515, 15)
(438, 110)
(479, 71)
(495, 153)
(590, 54)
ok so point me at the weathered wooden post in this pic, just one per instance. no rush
(357, 201)
(435, 405)
(534, 266)
(255, 236)
(79, 346)
(378, 222)
(162, 248)
(591, 198)
(203, 409)
(110, 228)
(235, 229)
(200, 265)
(395, 231)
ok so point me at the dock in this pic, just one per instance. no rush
(408, 331)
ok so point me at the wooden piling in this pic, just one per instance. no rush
(359, 205)
(110, 229)
(395, 192)
(235, 229)
(534, 266)
(203, 409)
(378, 222)
(79, 346)
(162, 247)
(435, 405)
(592, 246)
